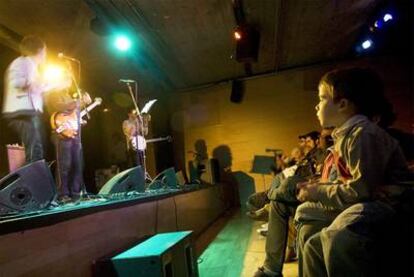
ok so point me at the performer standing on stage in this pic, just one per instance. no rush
(135, 128)
(65, 105)
(23, 96)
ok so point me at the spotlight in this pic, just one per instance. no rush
(53, 73)
(247, 43)
(378, 24)
(367, 44)
(237, 35)
(387, 17)
(122, 43)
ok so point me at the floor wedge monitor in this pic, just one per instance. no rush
(165, 180)
(132, 179)
(27, 189)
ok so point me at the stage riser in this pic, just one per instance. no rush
(68, 248)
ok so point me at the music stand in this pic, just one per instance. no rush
(263, 165)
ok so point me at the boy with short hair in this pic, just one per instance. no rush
(365, 156)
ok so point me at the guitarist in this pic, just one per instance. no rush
(135, 126)
(68, 148)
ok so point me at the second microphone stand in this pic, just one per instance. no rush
(138, 123)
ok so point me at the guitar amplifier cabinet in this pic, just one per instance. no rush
(16, 156)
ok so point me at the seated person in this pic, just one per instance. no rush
(283, 204)
(257, 201)
(365, 159)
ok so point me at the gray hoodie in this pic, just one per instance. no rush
(373, 158)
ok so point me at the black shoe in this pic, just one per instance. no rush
(261, 273)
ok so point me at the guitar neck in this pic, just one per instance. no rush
(158, 139)
(89, 108)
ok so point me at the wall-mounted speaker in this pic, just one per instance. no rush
(247, 47)
(29, 188)
(132, 179)
(237, 91)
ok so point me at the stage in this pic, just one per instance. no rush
(65, 240)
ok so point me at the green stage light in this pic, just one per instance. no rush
(122, 43)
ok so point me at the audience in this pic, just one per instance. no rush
(352, 192)
(256, 203)
(283, 204)
(343, 213)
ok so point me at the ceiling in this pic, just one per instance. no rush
(184, 44)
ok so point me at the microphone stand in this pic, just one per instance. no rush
(134, 97)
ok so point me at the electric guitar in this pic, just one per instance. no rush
(67, 124)
(142, 142)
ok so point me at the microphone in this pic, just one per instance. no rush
(62, 56)
(126, 81)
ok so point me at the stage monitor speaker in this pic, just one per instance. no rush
(210, 173)
(181, 179)
(193, 173)
(132, 179)
(166, 179)
(162, 255)
(237, 91)
(29, 188)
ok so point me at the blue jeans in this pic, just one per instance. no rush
(347, 246)
(277, 235)
(311, 218)
(69, 166)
